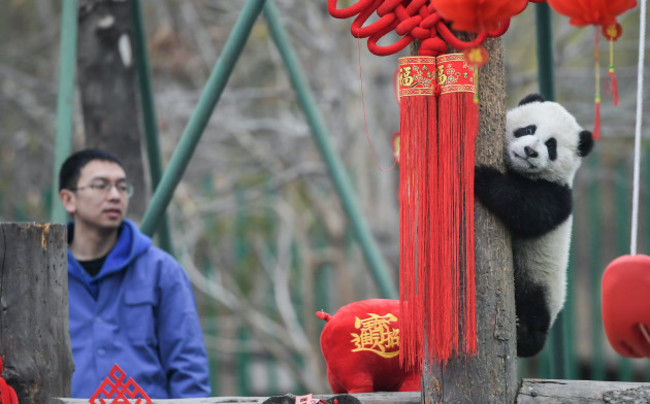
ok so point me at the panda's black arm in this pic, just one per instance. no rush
(529, 208)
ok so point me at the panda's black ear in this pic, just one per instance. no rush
(534, 97)
(585, 144)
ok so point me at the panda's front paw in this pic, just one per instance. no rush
(483, 179)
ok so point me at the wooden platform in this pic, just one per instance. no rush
(532, 391)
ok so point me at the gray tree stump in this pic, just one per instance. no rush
(34, 335)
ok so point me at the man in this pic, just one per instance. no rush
(130, 303)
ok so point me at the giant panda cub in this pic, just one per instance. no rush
(544, 146)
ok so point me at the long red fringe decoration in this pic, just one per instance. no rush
(418, 155)
(437, 284)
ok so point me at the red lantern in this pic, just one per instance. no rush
(478, 15)
(592, 12)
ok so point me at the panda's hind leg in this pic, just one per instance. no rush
(533, 318)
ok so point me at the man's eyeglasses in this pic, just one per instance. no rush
(124, 188)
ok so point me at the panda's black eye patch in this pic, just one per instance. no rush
(526, 131)
(551, 145)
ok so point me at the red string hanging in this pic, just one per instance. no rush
(7, 393)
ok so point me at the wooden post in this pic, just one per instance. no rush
(34, 336)
(490, 376)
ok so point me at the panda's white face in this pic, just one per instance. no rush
(542, 142)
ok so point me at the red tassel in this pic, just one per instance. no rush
(457, 128)
(612, 86)
(437, 283)
(417, 134)
(596, 131)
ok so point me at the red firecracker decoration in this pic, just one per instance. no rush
(602, 13)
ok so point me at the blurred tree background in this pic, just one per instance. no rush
(256, 220)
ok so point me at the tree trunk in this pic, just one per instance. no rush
(34, 335)
(108, 86)
(491, 375)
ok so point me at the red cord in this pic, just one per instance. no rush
(365, 120)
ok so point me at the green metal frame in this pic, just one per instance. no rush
(165, 184)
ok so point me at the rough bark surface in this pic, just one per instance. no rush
(108, 88)
(491, 375)
(34, 336)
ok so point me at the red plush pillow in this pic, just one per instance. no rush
(360, 344)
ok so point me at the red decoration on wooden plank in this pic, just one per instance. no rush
(116, 389)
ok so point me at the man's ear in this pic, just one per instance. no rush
(68, 199)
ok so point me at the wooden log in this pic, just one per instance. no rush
(491, 375)
(34, 336)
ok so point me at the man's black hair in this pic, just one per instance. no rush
(71, 168)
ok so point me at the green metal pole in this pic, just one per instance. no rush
(558, 338)
(149, 116)
(545, 51)
(65, 101)
(335, 166)
(199, 119)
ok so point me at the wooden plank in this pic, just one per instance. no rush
(34, 338)
(413, 397)
(534, 391)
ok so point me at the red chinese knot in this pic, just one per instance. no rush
(422, 20)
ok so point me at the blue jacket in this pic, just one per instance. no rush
(139, 313)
